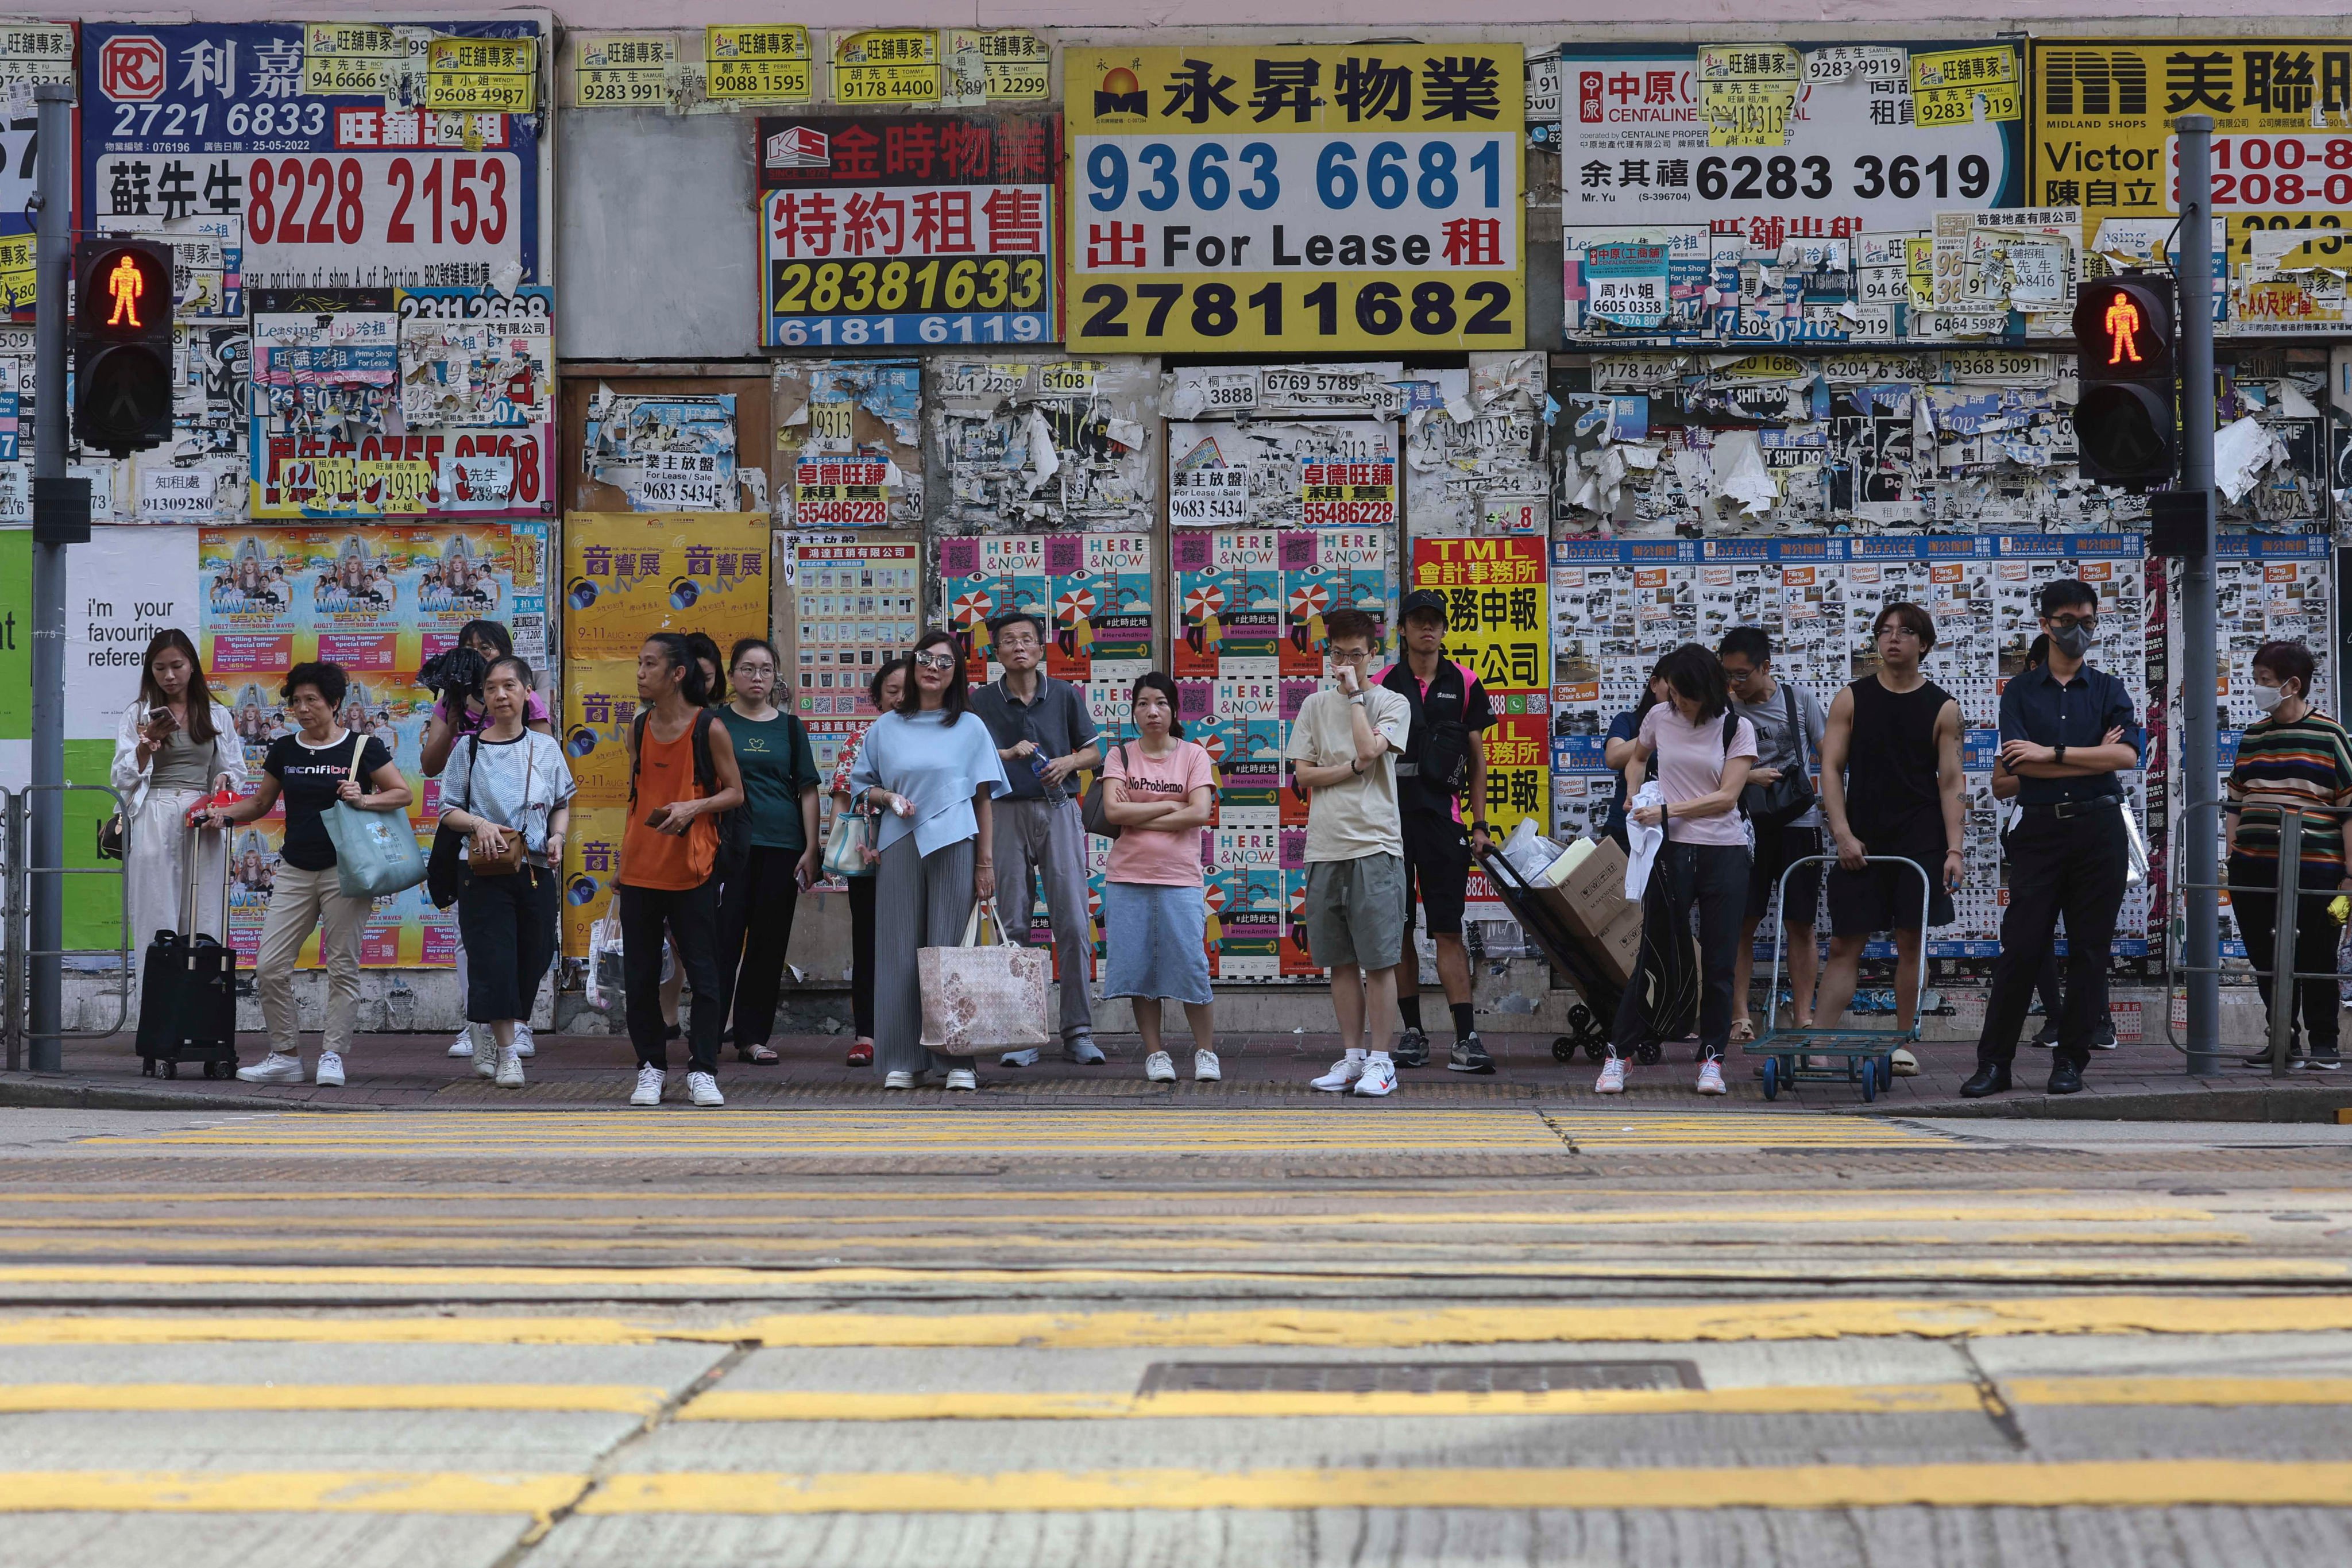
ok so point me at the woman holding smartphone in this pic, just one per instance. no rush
(757, 900)
(175, 745)
(885, 691)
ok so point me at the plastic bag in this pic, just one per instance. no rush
(1530, 852)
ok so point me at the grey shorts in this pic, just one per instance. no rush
(1356, 911)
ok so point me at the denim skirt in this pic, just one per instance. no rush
(1153, 942)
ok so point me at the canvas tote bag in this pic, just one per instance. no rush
(983, 998)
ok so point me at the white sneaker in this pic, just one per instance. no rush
(522, 1045)
(1159, 1068)
(1710, 1078)
(510, 1069)
(1027, 1058)
(276, 1069)
(330, 1074)
(649, 1087)
(486, 1060)
(1343, 1074)
(1379, 1076)
(899, 1080)
(463, 1046)
(1612, 1076)
(1903, 1063)
(1205, 1068)
(963, 1078)
(702, 1087)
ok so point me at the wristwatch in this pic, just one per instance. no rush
(1357, 699)
(2058, 754)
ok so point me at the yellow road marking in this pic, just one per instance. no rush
(1512, 1324)
(753, 1405)
(2154, 1390)
(284, 1491)
(864, 1196)
(2133, 1483)
(16, 1398)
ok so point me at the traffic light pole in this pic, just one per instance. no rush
(2193, 268)
(53, 303)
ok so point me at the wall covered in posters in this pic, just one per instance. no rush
(849, 450)
(625, 576)
(378, 599)
(1303, 199)
(1040, 444)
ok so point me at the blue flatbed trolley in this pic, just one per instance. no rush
(1865, 1056)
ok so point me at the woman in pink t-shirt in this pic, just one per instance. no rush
(1700, 752)
(1157, 790)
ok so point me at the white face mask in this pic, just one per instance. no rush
(2268, 698)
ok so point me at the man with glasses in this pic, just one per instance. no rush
(1043, 736)
(2069, 853)
(1789, 724)
(1891, 788)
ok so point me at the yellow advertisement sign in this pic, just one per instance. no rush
(2103, 113)
(772, 63)
(1947, 87)
(618, 70)
(16, 272)
(482, 76)
(887, 65)
(1296, 199)
(1746, 92)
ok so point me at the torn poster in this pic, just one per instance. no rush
(667, 453)
(477, 382)
(849, 443)
(1245, 391)
(1275, 458)
(1035, 443)
(325, 365)
(1476, 448)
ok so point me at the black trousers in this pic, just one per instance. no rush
(2254, 897)
(1713, 880)
(691, 918)
(755, 927)
(2075, 867)
(861, 953)
(509, 924)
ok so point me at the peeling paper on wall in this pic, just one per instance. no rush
(2241, 450)
(1035, 443)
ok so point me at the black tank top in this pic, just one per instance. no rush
(1890, 799)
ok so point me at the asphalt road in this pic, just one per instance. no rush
(1091, 1336)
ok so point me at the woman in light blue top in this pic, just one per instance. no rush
(930, 770)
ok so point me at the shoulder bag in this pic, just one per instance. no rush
(376, 852)
(516, 855)
(1094, 810)
(1789, 797)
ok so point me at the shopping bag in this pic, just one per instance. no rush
(845, 850)
(991, 998)
(2134, 849)
(376, 852)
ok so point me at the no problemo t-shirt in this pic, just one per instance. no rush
(307, 778)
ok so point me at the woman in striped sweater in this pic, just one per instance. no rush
(2294, 756)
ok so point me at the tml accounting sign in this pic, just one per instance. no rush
(285, 139)
(1296, 199)
(908, 228)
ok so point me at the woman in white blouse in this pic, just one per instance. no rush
(174, 747)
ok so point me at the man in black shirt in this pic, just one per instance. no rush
(2069, 851)
(1444, 755)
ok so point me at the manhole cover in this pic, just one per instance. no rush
(1411, 1378)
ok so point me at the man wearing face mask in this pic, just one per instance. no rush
(2069, 853)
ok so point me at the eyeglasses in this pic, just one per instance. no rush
(2065, 622)
(935, 660)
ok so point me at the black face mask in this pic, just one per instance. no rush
(2074, 641)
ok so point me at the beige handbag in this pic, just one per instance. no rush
(983, 998)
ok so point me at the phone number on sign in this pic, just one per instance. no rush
(385, 200)
(2294, 173)
(793, 332)
(1332, 307)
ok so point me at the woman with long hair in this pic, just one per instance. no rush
(175, 744)
(758, 899)
(1700, 751)
(933, 772)
(885, 690)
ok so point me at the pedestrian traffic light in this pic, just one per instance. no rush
(123, 346)
(2126, 428)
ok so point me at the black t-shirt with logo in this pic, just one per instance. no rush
(307, 778)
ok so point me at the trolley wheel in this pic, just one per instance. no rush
(1649, 1053)
(1869, 1081)
(1853, 1068)
(216, 1069)
(1581, 1023)
(147, 1067)
(1771, 1078)
(1563, 1049)
(1595, 1049)
(171, 1069)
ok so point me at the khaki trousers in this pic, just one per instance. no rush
(299, 899)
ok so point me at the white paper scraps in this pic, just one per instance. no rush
(1740, 474)
(2241, 450)
(1043, 463)
(1126, 433)
(2292, 404)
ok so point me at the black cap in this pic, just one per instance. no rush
(997, 623)
(1420, 599)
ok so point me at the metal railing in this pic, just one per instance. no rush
(2291, 893)
(17, 952)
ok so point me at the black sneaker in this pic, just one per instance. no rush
(1470, 1056)
(2331, 1062)
(2261, 1061)
(2104, 1040)
(1412, 1050)
(2047, 1040)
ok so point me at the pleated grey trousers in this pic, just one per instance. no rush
(920, 901)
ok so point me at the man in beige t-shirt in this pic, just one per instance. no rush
(1343, 750)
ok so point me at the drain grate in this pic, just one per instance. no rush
(1411, 1378)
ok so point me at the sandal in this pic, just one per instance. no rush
(861, 1054)
(1743, 1030)
(758, 1055)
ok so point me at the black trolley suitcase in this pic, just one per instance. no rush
(187, 998)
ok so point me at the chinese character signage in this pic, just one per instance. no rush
(2282, 157)
(1498, 616)
(921, 229)
(1355, 197)
(1093, 590)
(1775, 193)
(770, 63)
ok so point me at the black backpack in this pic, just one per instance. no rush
(734, 827)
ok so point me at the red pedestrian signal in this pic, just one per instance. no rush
(2126, 426)
(122, 344)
